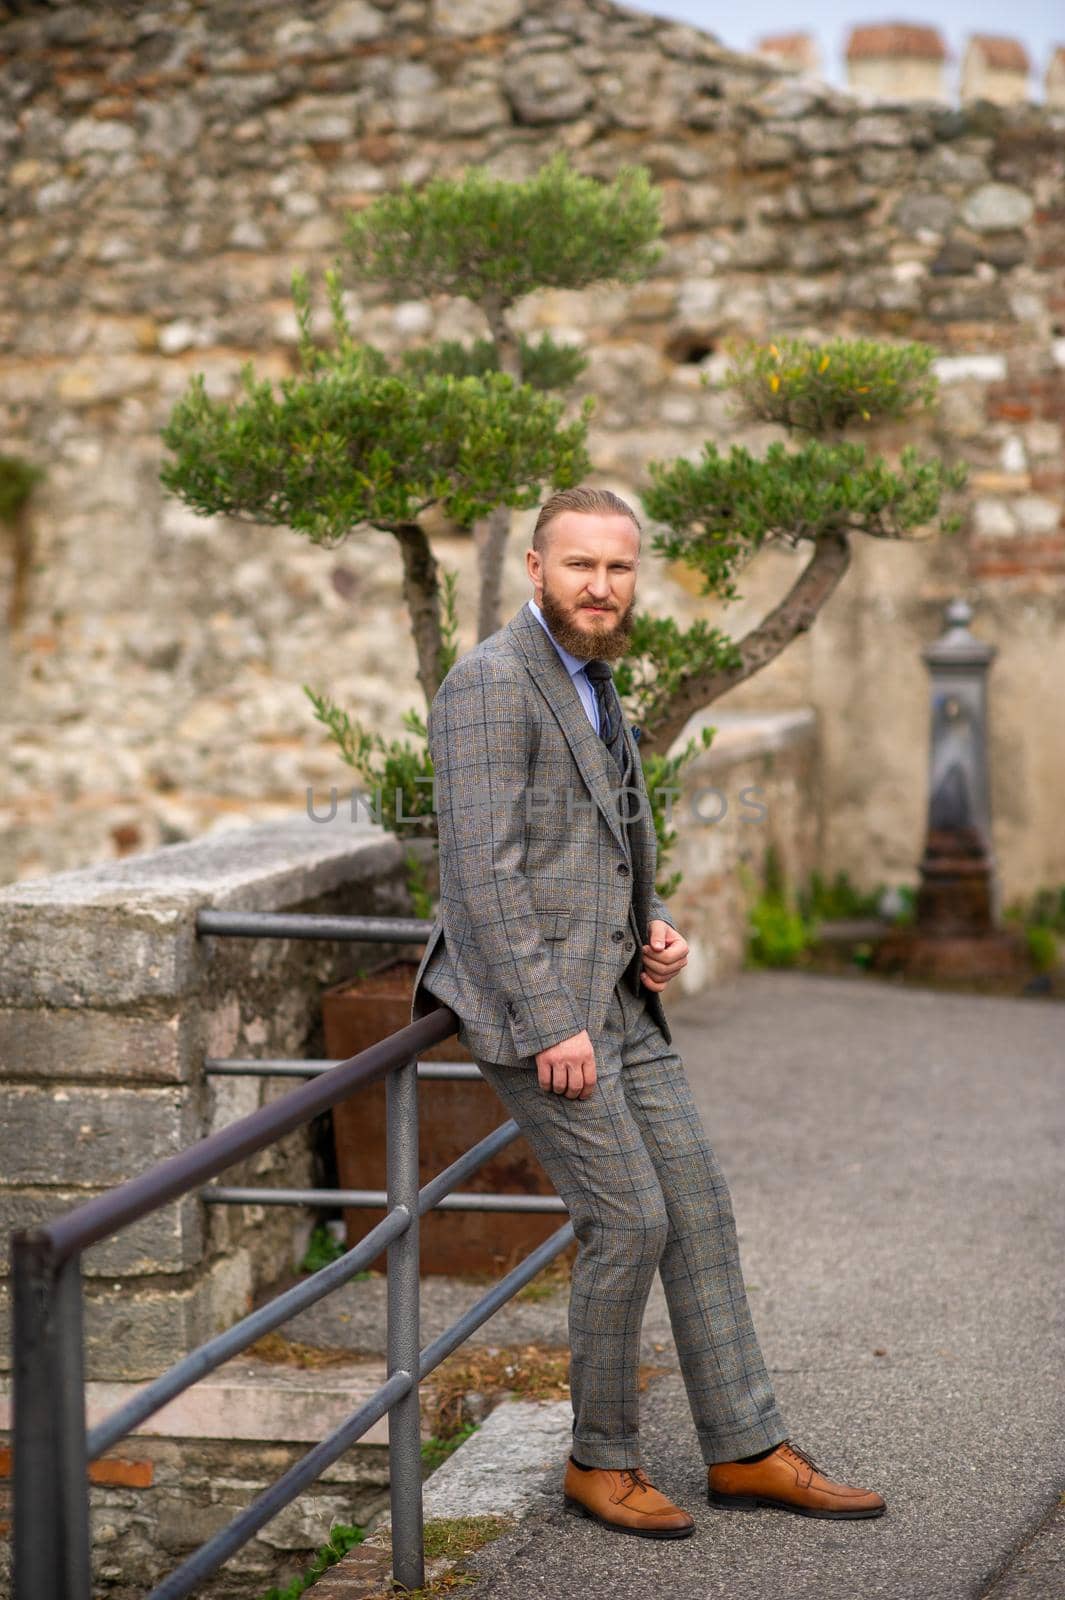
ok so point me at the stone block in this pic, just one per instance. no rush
(995, 207)
(351, 22)
(987, 368)
(138, 1334)
(64, 954)
(78, 1136)
(169, 1240)
(545, 88)
(69, 1043)
(125, 931)
(468, 18)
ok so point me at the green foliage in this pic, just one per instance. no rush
(778, 933)
(398, 773)
(1042, 919)
(419, 887)
(662, 777)
(435, 1451)
(495, 240)
(1047, 909)
(721, 509)
(544, 364)
(838, 900)
(821, 388)
(17, 478)
(342, 1538)
(322, 1248)
(1042, 947)
(660, 658)
(349, 445)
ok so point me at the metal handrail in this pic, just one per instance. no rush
(51, 1447)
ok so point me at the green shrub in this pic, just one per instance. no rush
(342, 1538)
(322, 1248)
(778, 932)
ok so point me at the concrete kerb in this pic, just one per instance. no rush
(509, 1468)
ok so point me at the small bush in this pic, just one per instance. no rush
(342, 1538)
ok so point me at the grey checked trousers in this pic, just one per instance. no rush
(645, 1192)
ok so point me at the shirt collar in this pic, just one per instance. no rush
(574, 664)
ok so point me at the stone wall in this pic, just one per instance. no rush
(167, 169)
(757, 787)
(109, 1005)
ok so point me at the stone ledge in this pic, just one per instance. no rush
(124, 931)
(745, 735)
(249, 1400)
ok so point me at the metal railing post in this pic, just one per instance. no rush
(51, 1547)
(73, 1487)
(404, 1353)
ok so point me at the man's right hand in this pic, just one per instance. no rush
(568, 1067)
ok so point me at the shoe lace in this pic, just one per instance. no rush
(634, 1476)
(796, 1450)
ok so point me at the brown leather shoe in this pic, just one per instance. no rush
(788, 1480)
(621, 1498)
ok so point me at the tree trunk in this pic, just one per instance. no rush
(794, 615)
(491, 532)
(421, 591)
(490, 535)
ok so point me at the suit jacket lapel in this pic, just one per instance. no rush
(551, 677)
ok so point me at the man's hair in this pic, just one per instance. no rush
(583, 498)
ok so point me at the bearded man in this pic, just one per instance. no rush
(553, 948)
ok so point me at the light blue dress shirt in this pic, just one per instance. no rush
(574, 666)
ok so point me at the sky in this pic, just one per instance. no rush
(1038, 24)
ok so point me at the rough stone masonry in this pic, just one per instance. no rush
(165, 170)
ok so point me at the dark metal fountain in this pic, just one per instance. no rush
(956, 933)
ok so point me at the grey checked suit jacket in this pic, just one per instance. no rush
(537, 868)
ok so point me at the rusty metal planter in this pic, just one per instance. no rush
(452, 1117)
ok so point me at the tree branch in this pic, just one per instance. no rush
(794, 615)
(421, 591)
(490, 533)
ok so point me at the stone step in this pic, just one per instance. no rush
(247, 1399)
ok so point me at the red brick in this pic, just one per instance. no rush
(1010, 411)
(121, 1474)
(111, 1470)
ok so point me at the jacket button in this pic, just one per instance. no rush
(623, 868)
(629, 945)
(617, 936)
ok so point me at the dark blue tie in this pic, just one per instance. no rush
(602, 681)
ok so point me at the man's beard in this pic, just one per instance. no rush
(606, 640)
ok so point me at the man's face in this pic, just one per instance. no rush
(585, 583)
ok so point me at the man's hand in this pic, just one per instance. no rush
(568, 1067)
(663, 958)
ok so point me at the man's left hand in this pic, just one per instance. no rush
(664, 956)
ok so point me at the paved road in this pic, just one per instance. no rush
(895, 1165)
